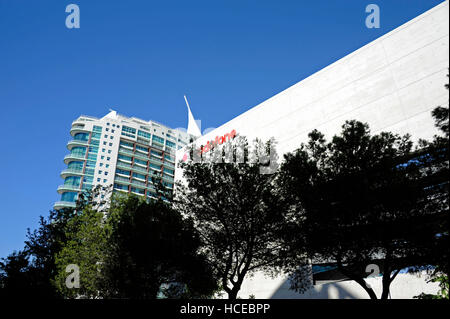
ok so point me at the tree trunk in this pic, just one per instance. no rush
(386, 284)
(232, 295)
(359, 280)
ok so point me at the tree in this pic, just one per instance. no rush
(438, 169)
(15, 276)
(233, 209)
(84, 247)
(359, 200)
(150, 248)
(35, 276)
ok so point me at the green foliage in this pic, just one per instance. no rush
(151, 246)
(234, 211)
(85, 247)
(360, 199)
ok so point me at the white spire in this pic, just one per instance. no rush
(112, 114)
(193, 128)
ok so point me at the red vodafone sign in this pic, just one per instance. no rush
(217, 141)
(211, 144)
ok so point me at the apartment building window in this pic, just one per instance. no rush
(97, 128)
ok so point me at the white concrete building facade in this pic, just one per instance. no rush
(392, 83)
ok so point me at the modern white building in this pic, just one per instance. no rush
(392, 83)
(121, 152)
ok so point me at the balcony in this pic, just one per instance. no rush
(158, 146)
(71, 172)
(139, 169)
(138, 183)
(78, 129)
(61, 204)
(123, 165)
(141, 156)
(169, 165)
(74, 143)
(122, 180)
(74, 157)
(68, 188)
(156, 161)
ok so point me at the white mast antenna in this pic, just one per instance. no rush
(193, 128)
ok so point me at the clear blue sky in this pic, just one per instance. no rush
(139, 58)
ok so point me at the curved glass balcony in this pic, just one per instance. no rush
(62, 204)
(74, 157)
(72, 172)
(78, 129)
(74, 143)
(68, 188)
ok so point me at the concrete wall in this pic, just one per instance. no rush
(404, 286)
(392, 83)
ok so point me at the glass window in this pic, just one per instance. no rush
(75, 165)
(96, 135)
(93, 149)
(128, 129)
(140, 162)
(88, 179)
(158, 167)
(120, 186)
(144, 134)
(155, 153)
(141, 148)
(158, 139)
(138, 190)
(72, 181)
(170, 171)
(123, 143)
(97, 128)
(81, 137)
(123, 172)
(69, 197)
(139, 176)
(126, 158)
(170, 144)
(78, 151)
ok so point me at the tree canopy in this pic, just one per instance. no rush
(360, 199)
(233, 210)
